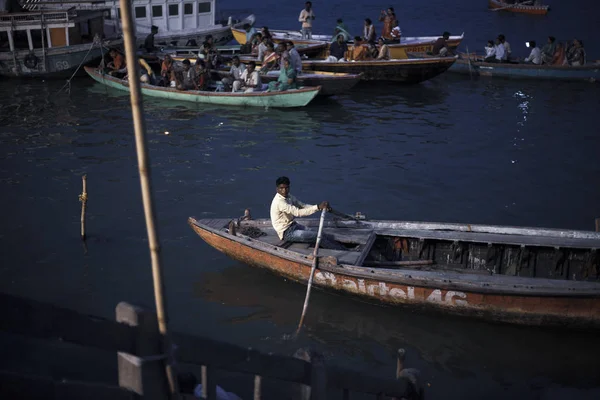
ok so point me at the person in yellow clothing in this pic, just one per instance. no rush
(285, 207)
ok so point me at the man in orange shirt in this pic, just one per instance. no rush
(360, 52)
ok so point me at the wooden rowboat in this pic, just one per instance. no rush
(529, 8)
(331, 83)
(413, 44)
(528, 276)
(405, 71)
(473, 65)
(288, 98)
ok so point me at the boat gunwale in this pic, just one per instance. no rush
(586, 67)
(483, 284)
(386, 63)
(508, 7)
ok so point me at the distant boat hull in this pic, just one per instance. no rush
(586, 73)
(58, 62)
(405, 71)
(518, 8)
(286, 99)
(400, 50)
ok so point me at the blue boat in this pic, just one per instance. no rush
(589, 72)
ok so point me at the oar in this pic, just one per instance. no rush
(469, 59)
(312, 270)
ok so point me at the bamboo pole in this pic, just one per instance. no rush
(83, 200)
(137, 111)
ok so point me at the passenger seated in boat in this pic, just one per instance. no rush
(499, 52)
(384, 50)
(490, 51)
(360, 52)
(210, 55)
(286, 80)
(285, 207)
(369, 31)
(256, 41)
(338, 50)
(266, 33)
(249, 80)
(340, 29)
(235, 73)
(559, 57)
(117, 67)
(149, 42)
(270, 58)
(145, 72)
(295, 59)
(262, 47)
(535, 57)
(202, 75)
(507, 50)
(576, 53)
(440, 47)
(396, 35)
(189, 79)
(166, 71)
(548, 50)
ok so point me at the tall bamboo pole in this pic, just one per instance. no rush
(139, 125)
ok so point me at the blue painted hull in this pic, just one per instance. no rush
(589, 72)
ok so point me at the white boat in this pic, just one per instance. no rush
(178, 21)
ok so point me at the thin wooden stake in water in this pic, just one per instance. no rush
(312, 270)
(137, 110)
(83, 200)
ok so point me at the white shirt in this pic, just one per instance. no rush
(261, 51)
(306, 18)
(295, 60)
(237, 71)
(499, 51)
(490, 51)
(535, 56)
(253, 79)
(506, 49)
(283, 211)
(396, 32)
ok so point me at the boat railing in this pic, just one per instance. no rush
(27, 18)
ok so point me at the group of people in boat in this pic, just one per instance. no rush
(552, 53)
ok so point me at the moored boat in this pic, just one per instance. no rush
(525, 7)
(331, 83)
(473, 65)
(529, 276)
(411, 44)
(289, 98)
(405, 70)
(51, 43)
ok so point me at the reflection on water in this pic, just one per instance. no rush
(441, 347)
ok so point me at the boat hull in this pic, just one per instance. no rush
(290, 98)
(569, 311)
(408, 71)
(587, 73)
(524, 9)
(400, 50)
(59, 62)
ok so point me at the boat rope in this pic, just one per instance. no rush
(94, 42)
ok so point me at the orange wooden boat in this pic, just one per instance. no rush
(527, 7)
(528, 276)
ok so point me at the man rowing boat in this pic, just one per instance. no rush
(285, 207)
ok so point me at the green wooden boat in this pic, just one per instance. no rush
(289, 98)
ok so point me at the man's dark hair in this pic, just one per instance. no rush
(252, 63)
(446, 34)
(186, 62)
(308, 2)
(368, 21)
(339, 20)
(282, 180)
(208, 37)
(501, 37)
(236, 58)
(552, 38)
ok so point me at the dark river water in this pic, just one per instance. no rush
(451, 149)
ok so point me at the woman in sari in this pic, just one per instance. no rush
(340, 29)
(384, 50)
(286, 80)
(270, 57)
(389, 22)
(559, 57)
